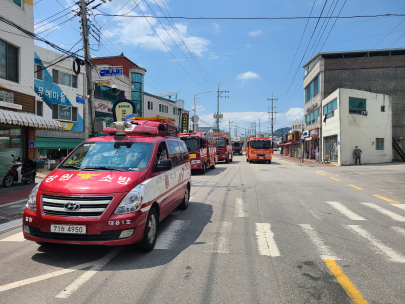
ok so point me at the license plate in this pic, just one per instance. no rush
(73, 229)
(261, 157)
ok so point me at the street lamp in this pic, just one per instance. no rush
(195, 111)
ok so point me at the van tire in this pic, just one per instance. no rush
(186, 199)
(150, 234)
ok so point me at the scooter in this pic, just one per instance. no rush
(20, 172)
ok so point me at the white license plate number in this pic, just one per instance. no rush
(261, 157)
(71, 229)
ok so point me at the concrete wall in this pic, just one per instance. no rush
(360, 130)
(24, 17)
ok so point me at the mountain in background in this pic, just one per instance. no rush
(285, 131)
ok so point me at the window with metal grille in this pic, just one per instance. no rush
(379, 143)
(8, 61)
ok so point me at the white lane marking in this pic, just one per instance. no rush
(240, 208)
(324, 250)
(265, 240)
(168, 238)
(47, 276)
(18, 237)
(399, 229)
(88, 274)
(346, 211)
(402, 206)
(391, 214)
(377, 246)
(221, 243)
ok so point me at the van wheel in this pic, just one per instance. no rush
(203, 168)
(150, 233)
(186, 199)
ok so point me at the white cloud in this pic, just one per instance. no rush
(255, 33)
(216, 28)
(248, 75)
(295, 113)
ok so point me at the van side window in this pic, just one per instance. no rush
(174, 153)
(162, 153)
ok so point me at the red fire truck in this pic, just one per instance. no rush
(237, 145)
(201, 149)
(112, 190)
(224, 147)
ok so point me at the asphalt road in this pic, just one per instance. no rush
(266, 233)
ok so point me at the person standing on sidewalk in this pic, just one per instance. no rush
(357, 155)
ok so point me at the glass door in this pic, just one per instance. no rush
(11, 142)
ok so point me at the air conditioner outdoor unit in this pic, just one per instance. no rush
(364, 112)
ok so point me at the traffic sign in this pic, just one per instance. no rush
(80, 100)
(31, 144)
(111, 72)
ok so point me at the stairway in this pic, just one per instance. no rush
(398, 149)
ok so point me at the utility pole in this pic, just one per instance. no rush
(230, 128)
(89, 111)
(272, 118)
(217, 115)
(259, 128)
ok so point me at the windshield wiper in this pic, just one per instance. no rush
(103, 168)
(76, 167)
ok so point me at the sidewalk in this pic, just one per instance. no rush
(307, 162)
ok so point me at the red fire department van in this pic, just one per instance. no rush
(112, 190)
(259, 149)
(224, 148)
(201, 149)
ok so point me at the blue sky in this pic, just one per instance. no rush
(250, 58)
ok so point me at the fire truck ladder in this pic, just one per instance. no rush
(398, 149)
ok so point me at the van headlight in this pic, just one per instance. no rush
(132, 201)
(32, 199)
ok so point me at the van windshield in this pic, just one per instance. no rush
(220, 143)
(191, 143)
(111, 155)
(260, 144)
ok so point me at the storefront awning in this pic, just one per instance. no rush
(57, 143)
(29, 120)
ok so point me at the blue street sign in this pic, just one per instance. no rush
(80, 100)
(31, 144)
(111, 72)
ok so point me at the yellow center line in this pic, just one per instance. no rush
(355, 187)
(351, 290)
(387, 199)
(257, 165)
(335, 179)
(251, 164)
(320, 173)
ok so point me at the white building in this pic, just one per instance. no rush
(297, 126)
(61, 92)
(357, 118)
(159, 106)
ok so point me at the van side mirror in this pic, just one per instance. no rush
(165, 164)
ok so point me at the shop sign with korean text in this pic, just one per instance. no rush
(121, 108)
(6, 97)
(10, 105)
(105, 83)
(184, 122)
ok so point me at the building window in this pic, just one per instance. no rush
(8, 61)
(167, 109)
(382, 108)
(329, 109)
(160, 107)
(151, 105)
(137, 91)
(312, 117)
(63, 112)
(40, 108)
(59, 77)
(357, 105)
(312, 89)
(379, 143)
(38, 72)
(105, 93)
(174, 111)
(148, 105)
(18, 2)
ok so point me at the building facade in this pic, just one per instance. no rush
(377, 71)
(18, 121)
(297, 125)
(160, 106)
(61, 92)
(128, 86)
(357, 118)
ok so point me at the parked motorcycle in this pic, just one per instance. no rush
(21, 172)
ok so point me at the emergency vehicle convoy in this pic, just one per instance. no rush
(237, 145)
(259, 149)
(112, 190)
(201, 149)
(224, 148)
